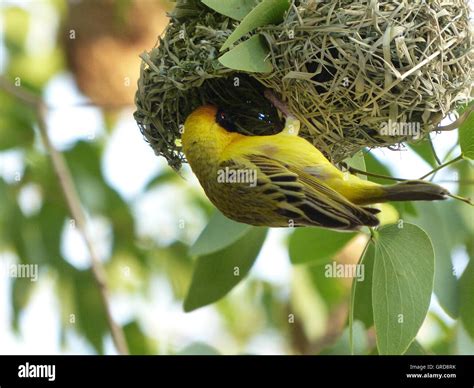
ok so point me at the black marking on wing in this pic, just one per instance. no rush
(289, 213)
(283, 178)
(310, 201)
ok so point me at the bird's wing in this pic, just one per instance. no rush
(307, 200)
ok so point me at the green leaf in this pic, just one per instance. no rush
(250, 56)
(342, 346)
(16, 123)
(363, 310)
(402, 285)
(235, 9)
(89, 313)
(466, 291)
(219, 233)
(267, 12)
(433, 218)
(465, 213)
(13, 135)
(357, 161)
(217, 273)
(198, 349)
(316, 245)
(22, 291)
(51, 220)
(137, 342)
(415, 349)
(464, 343)
(466, 137)
(423, 150)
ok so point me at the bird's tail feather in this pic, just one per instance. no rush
(414, 191)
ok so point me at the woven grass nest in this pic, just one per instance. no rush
(344, 68)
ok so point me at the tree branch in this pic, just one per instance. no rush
(73, 202)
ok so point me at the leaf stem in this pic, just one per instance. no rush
(73, 202)
(457, 159)
(353, 289)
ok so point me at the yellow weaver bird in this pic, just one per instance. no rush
(283, 180)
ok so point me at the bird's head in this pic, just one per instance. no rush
(208, 126)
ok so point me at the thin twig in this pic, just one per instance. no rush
(73, 202)
(354, 170)
(457, 159)
(462, 199)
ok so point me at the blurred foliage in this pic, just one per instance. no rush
(316, 245)
(215, 274)
(16, 124)
(310, 314)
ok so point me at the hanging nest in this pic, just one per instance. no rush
(345, 69)
(98, 33)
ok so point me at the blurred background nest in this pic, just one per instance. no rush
(345, 68)
(101, 41)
